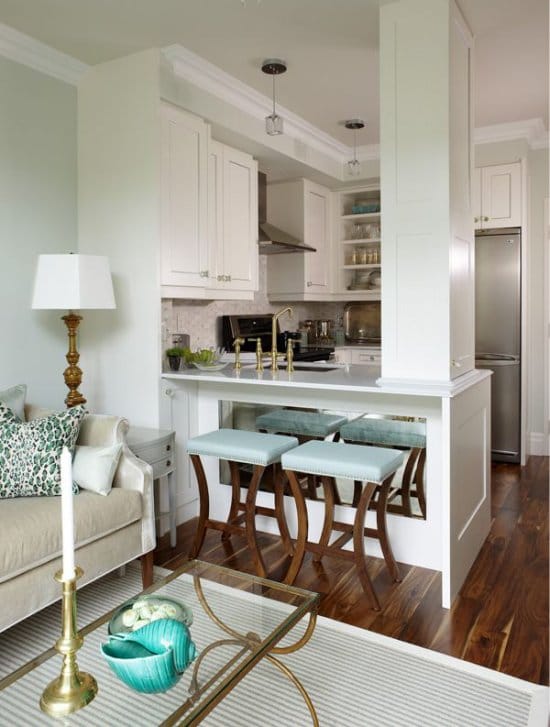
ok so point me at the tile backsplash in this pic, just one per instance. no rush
(200, 318)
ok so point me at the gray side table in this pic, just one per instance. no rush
(157, 447)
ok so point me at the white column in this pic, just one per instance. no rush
(426, 160)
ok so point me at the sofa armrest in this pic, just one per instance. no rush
(134, 474)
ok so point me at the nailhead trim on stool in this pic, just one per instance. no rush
(397, 433)
(260, 450)
(239, 445)
(373, 468)
(334, 459)
(308, 423)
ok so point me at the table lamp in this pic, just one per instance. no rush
(73, 282)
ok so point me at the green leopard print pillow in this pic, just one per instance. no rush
(30, 451)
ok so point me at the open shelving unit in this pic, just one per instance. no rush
(358, 250)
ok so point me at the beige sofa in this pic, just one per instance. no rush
(109, 530)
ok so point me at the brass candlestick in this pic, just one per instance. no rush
(72, 689)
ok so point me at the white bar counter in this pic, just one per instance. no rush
(458, 449)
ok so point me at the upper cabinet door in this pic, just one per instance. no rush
(317, 234)
(240, 220)
(499, 198)
(184, 168)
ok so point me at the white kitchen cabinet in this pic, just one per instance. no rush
(232, 219)
(358, 355)
(209, 213)
(303, 209)
(497, 194)
(184, 259)
(366, 357)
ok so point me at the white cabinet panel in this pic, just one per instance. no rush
(499, 196)
(240, 219)
(184, 250)
(232, 220)
(303, 209)
(317, 229)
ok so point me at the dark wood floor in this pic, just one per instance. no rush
(499, 619)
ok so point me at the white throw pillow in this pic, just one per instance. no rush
(95, 467)
(15, 399)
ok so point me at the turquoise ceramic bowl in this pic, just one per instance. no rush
(153, 658)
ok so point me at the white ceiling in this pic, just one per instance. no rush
(330, 46)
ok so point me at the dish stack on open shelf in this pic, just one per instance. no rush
(359, 235)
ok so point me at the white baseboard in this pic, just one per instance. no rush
(538, 444)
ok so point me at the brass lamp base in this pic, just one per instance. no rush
(73, 372)
(72, 689)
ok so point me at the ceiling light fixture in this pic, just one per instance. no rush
(273, 123)
(354, 165)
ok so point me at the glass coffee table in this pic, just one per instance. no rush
(238, 620)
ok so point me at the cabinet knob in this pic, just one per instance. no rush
(168, 463)
(476, 219)
(309, 283)
(203, 273)
(169, 392)
(227, 278)
(220, 277)
(168, 447)
(456, 364)
(485, 219)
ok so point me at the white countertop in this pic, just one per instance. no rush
(341, 377)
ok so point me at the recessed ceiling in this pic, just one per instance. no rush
(330, 46)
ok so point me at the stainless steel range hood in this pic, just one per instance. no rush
(272, 240)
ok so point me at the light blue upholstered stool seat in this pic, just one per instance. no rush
(306, 425)
(260, 450)
(409, 435)
(374, 467)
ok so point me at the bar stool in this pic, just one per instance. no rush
(306, 425)
(260, 450)
(375, 468)
(395, 433)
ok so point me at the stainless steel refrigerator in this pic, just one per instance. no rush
(498, 333)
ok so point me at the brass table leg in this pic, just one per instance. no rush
(249, 642)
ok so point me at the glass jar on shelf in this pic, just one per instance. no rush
(351, 256)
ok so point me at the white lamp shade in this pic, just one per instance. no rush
(73, 282)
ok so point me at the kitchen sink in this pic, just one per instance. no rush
(299, 367)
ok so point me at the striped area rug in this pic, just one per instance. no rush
(354, 677)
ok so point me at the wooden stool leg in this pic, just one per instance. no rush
(204, 506)
(250, 520)
(381, 528)
(357, 490)
(359, 544)
(301, 535)
(329, 486)
(419, 481)
(279, 488)
(405, 490)
(235, 496)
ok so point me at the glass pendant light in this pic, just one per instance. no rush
(354, 165)
(273, 122)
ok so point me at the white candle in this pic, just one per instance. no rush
(67, 515)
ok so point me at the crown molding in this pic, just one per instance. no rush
(195, 69)
(532, 131)
(23, 49)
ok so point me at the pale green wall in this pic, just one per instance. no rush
(37, 215)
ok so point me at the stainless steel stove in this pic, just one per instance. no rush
(251, 327)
